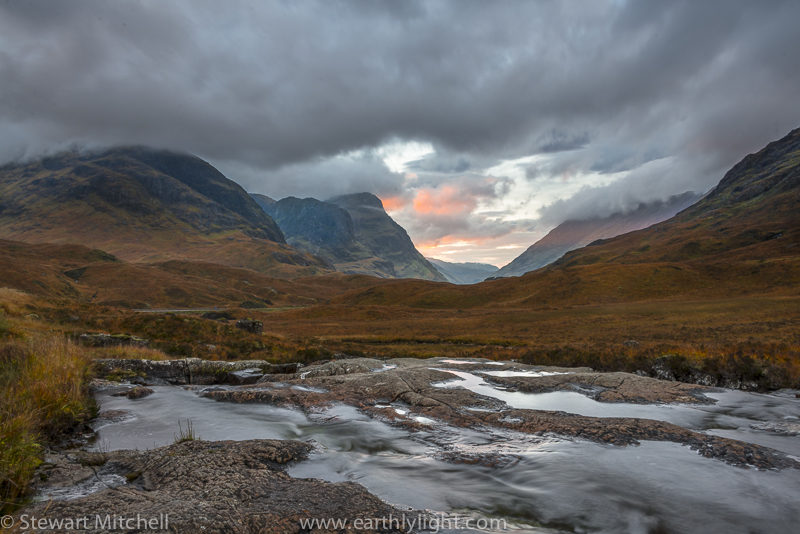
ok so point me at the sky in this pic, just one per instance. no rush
(481, 125)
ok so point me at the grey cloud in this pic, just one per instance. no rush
(321, 178)
(656, 180)
(272, 90)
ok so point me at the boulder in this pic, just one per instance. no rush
(286, 368)
(249, 325)
(139, 393)
(244, 377)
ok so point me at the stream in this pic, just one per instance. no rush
(542, 484)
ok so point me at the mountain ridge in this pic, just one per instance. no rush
(387, 240)
(574, 234)
(121, 201)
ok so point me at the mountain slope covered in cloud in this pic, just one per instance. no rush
(574, 234)
(753, 214)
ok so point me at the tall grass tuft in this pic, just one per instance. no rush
(186, 435)
(42, 393)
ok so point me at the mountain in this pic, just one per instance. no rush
(144, 205)
(741, 240)
(574, 234)
(752, 215)
(318, 228)
(325, 230)
(263, 200)
(81, 274)
(464, 273)
(385, 238)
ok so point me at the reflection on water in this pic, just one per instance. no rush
(565, 486)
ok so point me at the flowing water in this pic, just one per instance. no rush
(542, 484)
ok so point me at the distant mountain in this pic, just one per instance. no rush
(325, 230)
(571, 235)
(262, 200)
(385, 238)
(464, 273)
(144, 205)
(740, 240)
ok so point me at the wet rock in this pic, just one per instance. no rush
(139, 393)
(286, 368)
(609, 387)
(250, 492)
(410, 382)
(245, 376)
(250, 325)
(62, 470)
(207, 372)
(174, 372)
(785, 428)
(153, 381)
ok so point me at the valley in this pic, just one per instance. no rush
(675, 345)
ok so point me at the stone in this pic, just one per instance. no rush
(139, 393)
(609, 387)
(245, 376)
(250, 325)
(286, 368)
(173, 372)
(250, 492)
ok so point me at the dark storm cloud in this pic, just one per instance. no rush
(322, 178)
(273, 90)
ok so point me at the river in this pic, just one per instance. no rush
(539, 484)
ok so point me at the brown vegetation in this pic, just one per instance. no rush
(42, 394)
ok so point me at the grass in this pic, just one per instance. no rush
(42, 393)
(186, 435)
(769, 366)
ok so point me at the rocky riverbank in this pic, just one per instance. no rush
(213, 487)
(242, 486)
(371, 385)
